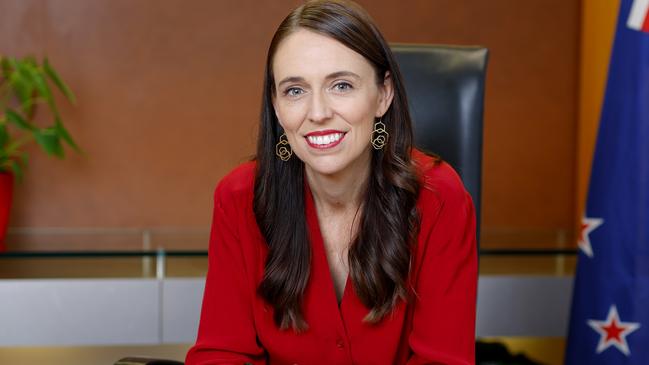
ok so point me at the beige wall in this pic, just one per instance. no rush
(168, 96)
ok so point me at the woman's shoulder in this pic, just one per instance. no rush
(438, 177)
(237, 184)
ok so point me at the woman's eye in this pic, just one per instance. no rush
(342, 86)
(293, 91)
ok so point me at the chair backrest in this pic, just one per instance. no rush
(445, 88)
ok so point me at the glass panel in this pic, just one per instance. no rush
(144, 264)
(65, 267)
(98, 264)
(186, 266)
(542, 262)
(522, 238)
(105, 239)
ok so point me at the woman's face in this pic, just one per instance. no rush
(327, 98)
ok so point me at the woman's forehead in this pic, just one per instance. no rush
(309, 54)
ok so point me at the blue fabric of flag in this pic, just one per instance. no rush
(609, 321)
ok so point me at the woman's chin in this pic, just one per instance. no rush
(324, 167)
(337, 163)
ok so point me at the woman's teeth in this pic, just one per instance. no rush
(324, 140)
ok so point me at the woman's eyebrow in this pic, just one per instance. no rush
(328, 77)
(342, 74)
(290, 79)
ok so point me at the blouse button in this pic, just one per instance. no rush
(340, 344)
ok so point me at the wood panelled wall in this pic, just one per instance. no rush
(169, 93)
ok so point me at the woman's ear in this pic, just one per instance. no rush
(386, 94)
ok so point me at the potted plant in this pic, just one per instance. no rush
(24, 88)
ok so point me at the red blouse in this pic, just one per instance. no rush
(436, 327)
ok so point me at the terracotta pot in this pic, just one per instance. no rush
(6, 188)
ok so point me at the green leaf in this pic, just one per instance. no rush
(63, 133)
(4, 136)
(17, 170)
(18, 120)
(27, 71)
(24, 89)
(30, 71)
(23, 68)
(32, 83)
(51, 73)
(43, 88)
(49, 140)
(14, 145)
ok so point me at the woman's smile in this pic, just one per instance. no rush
(323, 140)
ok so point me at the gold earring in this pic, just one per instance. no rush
(283, 149)
(379, 136)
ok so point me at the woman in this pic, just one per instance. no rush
(340, 244)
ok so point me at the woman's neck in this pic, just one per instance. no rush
(341, 192)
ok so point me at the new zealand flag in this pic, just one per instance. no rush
(609, 322)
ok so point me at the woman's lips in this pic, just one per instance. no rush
(324, 139)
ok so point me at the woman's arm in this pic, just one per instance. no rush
(443, 325)
(226, 333)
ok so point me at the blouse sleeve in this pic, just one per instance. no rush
(226, 333)
(443, 323)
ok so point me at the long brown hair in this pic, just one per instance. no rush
(379, 256)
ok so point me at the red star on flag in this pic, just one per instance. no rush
(588, 225)
(613, 331)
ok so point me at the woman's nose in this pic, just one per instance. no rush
(319, 108)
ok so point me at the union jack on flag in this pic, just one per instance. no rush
(609, 322)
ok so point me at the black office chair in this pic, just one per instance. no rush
(445, 88)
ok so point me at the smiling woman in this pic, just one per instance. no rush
(340, 243)
(328, 113)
